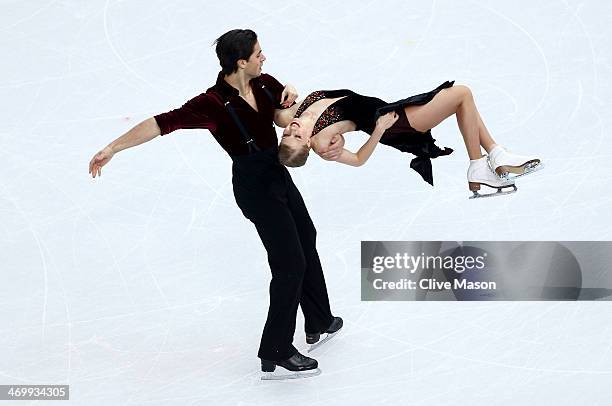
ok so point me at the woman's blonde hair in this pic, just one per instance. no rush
(292, 157)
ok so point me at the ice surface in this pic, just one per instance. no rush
(147, 286)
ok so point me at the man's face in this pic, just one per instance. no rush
(255, 62)
(295, 135)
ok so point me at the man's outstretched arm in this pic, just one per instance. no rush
(139, 134)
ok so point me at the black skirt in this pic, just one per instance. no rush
(406, 139)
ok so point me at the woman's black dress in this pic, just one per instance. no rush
(365, 110)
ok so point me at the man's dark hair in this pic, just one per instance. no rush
(233, 46)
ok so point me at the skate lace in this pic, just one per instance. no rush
(301, 357)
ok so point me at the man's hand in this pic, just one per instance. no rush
(289, 96)
(99, 160)
(336, 145)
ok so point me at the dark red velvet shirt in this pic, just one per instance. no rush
(207, 111)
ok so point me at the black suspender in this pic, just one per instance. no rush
(243, 131)
(268, 93)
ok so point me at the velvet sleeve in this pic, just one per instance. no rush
(195, 113)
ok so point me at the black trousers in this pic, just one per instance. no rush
(267, 196)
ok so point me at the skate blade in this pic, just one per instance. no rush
(323, 341)
(499, 192)
(529, 169)
(286, 374)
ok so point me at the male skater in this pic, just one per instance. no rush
(239, 110)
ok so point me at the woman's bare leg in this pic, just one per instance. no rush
(486, 140)
(454, 100)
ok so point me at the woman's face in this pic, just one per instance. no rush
(295, 134)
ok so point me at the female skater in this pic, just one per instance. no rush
(323, 116)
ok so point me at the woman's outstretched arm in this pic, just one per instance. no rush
(365, 152)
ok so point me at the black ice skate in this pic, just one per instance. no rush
(300, 366)
(313, 338)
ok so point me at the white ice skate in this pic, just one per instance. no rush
(479, 173)
(509, 166)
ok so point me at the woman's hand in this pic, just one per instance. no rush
(386, 121)
(99, 160)
(289, 96)
(336, 145)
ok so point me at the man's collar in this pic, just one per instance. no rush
(228, 90)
